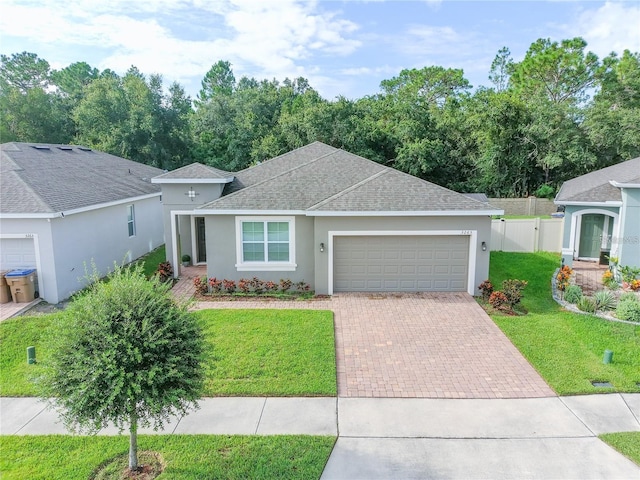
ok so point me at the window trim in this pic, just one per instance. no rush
(266, 266)
(131, 220)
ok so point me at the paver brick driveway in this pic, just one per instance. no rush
(432, 345)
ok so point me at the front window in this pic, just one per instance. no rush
(131, 221)
(265, 243)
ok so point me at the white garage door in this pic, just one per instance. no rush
(17, 253)
(401, 263)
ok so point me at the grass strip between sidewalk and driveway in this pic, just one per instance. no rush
(186, 456)
(627, 443)
(264, 352)
(565, 348)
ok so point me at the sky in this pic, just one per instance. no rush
(342, 47)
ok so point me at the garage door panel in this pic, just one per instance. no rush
(17, 253)
(396, 263)
(443, 255)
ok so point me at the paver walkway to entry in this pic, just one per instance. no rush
(432, 345)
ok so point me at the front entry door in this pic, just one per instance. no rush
(591, 230)
(201, 242)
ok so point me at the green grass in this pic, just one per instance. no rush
(186, 456)
(270, 352)
(627, 443)
(151, 260)
(16, 334)
(254, 352)
(566, 348)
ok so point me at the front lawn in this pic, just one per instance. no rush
(254, 352)
(270, 352)
(566, 348)
(186, 456)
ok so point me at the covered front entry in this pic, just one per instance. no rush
(395, 263)
(595, 235)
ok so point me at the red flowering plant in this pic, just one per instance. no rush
(229, 285)
(563, 278)
(486, 288)
(285, 284)
(201, 285)
(244, 285)
(164, 271)
(215, 284)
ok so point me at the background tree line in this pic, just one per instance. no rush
(558, 113)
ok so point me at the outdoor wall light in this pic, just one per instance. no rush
(484, 246)
(322, 247)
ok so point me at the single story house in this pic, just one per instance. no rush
(602, 214)
(340, 222)
(64, 207)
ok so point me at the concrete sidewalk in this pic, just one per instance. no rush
(383, 438)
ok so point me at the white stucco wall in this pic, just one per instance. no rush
(67, 244)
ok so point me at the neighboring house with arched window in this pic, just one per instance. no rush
(602, 214)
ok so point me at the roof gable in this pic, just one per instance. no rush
(195, 171)
(595, 187)
(58, 178)
(320, 178)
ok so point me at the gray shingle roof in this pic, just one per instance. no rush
(595, 187)
(58, 178)
(194, 171)
(321, 178)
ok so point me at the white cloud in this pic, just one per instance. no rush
(615, 26)
(260, 38)
(426, 40)
(362, 71)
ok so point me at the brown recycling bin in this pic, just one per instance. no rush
(5, 291)
(22, 284)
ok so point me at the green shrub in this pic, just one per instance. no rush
(587, 304)
(573, 294)
(629, 296)
(628, 309)
(605, 300)
(545, 191)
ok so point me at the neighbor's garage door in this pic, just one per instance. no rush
(17, 253)
(401, 263)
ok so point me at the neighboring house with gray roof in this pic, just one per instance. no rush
(335, 220)
(63, 207)
(602, 214)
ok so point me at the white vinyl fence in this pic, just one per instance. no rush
(527, 235)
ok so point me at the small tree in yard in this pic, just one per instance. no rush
(126, 352)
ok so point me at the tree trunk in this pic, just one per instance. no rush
(133, 442)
